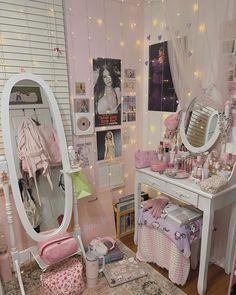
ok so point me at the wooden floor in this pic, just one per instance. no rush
(217, 284)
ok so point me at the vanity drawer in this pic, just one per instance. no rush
(156, 184)
(182, 194)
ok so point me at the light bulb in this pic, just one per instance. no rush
(154, 22)
(152, 129)
(99, 21)
(195, 7)
(122, 44)
(202, 28)
(138, 42)
(133, 25)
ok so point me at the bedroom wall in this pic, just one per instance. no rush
(108, 29)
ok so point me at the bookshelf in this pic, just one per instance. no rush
(124, 221)
(124, 214)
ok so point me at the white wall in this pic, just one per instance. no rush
(87, 40)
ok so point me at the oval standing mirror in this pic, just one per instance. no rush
(199, 127)
(36, 152)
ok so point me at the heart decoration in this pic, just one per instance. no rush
(159, 37)
(149, 37)
(146, 62)
(190, 53)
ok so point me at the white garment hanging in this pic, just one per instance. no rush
(32, 151)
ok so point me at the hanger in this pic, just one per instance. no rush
(36, 120)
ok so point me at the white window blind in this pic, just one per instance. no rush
(32, 39)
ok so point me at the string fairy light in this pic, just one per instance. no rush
(195, 7)
(202, 28)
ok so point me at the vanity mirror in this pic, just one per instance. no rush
(199, 128)
(27, 98)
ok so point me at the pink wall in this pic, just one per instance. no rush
(86, 39)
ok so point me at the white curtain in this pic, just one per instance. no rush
(201, 49)
(202, 56)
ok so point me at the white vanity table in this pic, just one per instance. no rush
(187, 191)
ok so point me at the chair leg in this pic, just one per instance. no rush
(81, 247)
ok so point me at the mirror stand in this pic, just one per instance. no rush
(20, 257)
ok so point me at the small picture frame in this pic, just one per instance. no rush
(25, 95)
(80, 88)
(130, 73)
(81, 105)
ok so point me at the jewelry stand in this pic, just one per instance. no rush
(19, 257)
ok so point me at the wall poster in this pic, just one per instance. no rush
(85, 151)
(81, 105)
(107, 91)
(129, 85)
(80, 88)
(161, 94)
(108, 144)
(129, 108)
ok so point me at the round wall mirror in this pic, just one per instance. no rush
(28, 103)
(199, 127)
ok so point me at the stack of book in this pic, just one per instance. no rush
(113, 255)
(182, 215)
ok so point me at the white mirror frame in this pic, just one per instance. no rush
(207, 145)
(10, 157)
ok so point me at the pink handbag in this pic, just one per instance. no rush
(144, 159)
(57, 248)
(65, 280)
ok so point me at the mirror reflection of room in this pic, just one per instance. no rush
(37, 155)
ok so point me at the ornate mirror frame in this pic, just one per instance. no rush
(207, 145)
(55, 113)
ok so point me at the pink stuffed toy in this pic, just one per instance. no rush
(156, 205)
(171, 123)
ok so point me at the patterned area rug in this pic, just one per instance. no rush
(152, 284)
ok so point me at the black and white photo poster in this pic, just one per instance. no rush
(107, 91)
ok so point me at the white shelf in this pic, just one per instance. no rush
(72, 170)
